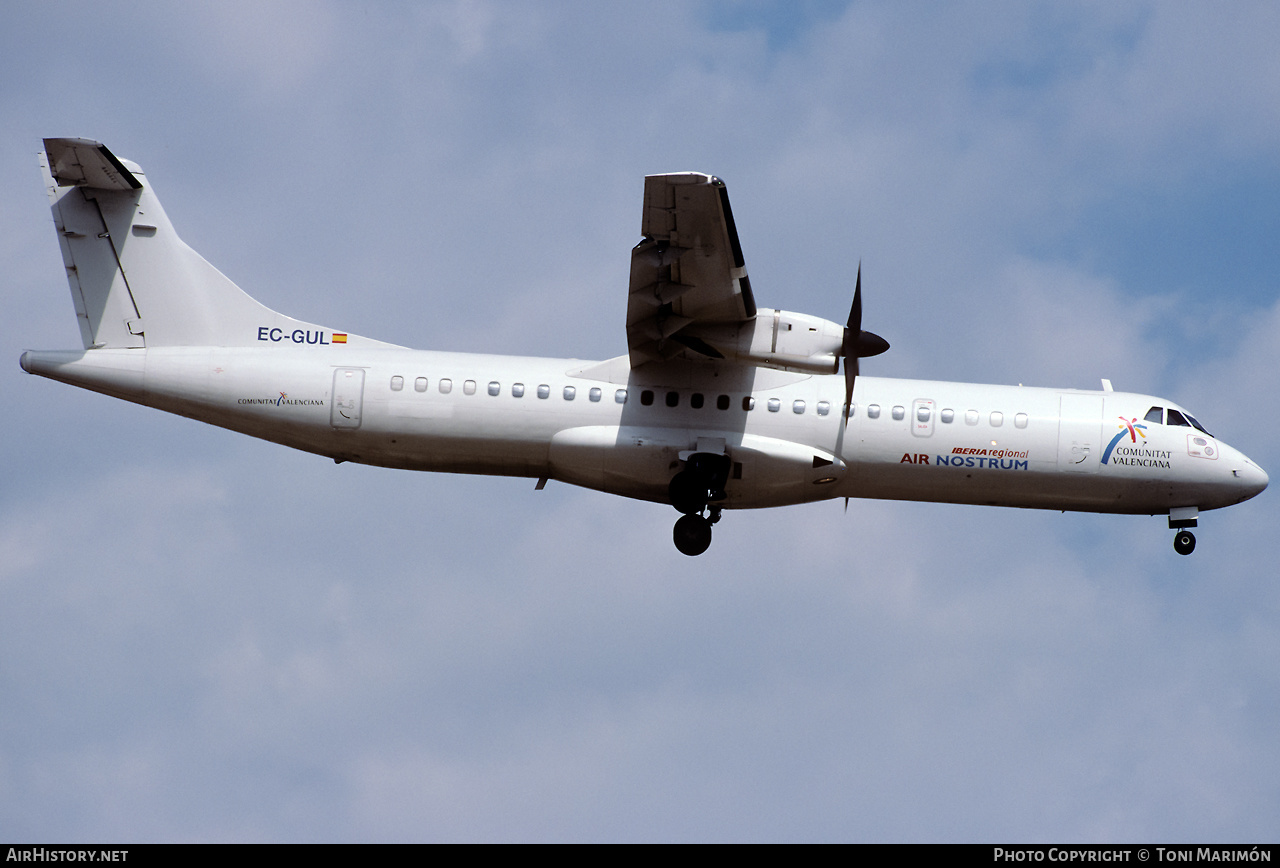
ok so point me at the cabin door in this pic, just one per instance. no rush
(348, 398)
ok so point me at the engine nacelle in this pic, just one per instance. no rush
(779, 339)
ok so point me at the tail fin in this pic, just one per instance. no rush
(133, 280)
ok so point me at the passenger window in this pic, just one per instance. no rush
(544, 391)
(673, 399)
(748, 403)
(722, 403)
(775, 404)
(873, 411)
(695, 400)
(446, 386)
(1175, 418)
(922, 414)
(517, 390)
(947, 416)
(469, 387)
(1155, 414)
(1020, 420)
(594, 395)
(620, 396)
(797, 407)
(570, 393)
(824, 407)
(997, 418)
(420, 384)
(971, 417)
(899, 413)
(397, 383)
(495, 388)
(646, 397)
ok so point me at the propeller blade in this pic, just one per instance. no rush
(850, 374)
(852, 339)
(855, 312)
(857, 344)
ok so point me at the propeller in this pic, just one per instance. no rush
(857, 344)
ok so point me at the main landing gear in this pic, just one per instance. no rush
(693, 533)
(694, 491)
(1182, 519)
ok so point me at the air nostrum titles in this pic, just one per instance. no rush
(964, 456)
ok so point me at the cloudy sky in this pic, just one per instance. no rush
(208, 638)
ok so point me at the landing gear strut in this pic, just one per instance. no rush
(692, 492)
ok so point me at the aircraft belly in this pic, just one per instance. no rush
(633, 462)
(639, 462)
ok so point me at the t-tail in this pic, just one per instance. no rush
(135, 284)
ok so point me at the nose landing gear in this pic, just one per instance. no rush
(1182, 519)
(1184, 542)
(693, 491)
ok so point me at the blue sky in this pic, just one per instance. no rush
(206, 637)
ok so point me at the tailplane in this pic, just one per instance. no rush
(134, 282)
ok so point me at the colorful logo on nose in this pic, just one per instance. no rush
(1127, 426)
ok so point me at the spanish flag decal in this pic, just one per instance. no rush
(339, 338)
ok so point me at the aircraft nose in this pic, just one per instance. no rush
(1251, 479)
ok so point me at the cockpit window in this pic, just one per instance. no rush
(1192, 420)
(1176, 418)
(1155, 414)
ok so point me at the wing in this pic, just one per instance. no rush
(687, 273)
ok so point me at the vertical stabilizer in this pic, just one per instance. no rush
(133, 280)
(106, 312)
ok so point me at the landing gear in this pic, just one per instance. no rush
(1182, 519)
(1184, 542)
(692, 535)
(688, 492)
(692, 492)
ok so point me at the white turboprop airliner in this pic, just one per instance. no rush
(716, 405)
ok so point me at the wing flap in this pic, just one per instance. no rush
(688, 272)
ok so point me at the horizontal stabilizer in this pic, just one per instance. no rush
(86, 163)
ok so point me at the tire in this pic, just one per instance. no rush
(1184, 542)
(692, 535)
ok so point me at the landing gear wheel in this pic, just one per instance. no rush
(688, 492)
(692, 535)
(1184, 542)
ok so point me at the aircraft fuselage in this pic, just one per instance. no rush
(604, 426)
